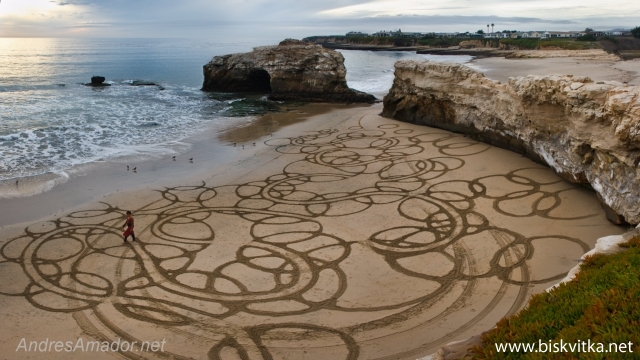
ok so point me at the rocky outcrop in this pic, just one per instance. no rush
(293, 70)
(472, 44)
(588, 132)
(97, 81)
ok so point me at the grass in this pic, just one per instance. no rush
(562, 43)
(440, 42)
(521, 43)
(602, 304)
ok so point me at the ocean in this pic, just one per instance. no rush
(51, 124)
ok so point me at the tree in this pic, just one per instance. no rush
(636, 32)
(588, 30)
(480, 32)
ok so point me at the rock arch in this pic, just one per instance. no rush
(293, 70)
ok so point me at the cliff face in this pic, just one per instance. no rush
(587, 132)
(293, 70)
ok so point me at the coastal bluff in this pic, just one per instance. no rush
(293, 70)
(588, 132)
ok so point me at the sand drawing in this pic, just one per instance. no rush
(364, 245)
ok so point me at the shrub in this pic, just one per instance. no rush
(609, 38)
(439, 42)
(521, 43)
(636, 32)
(600, 304)
(402, 42)
(587, 37)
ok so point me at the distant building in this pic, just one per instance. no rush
(411, 34)
(398, 33)
(447, 35)
(382, 34)
(356, 33)
(505, 34)
(561, 34)
(532, 34)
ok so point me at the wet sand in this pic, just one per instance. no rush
(210, 150)
(340, 235)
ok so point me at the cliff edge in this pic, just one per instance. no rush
(588, 132)
(293, 70)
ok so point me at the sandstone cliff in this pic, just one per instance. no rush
(293, 70)
(587, 132)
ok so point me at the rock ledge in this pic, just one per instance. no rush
(588, 132)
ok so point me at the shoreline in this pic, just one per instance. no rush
(378, 320)
(97, 180)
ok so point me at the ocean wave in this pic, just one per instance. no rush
(53, 133)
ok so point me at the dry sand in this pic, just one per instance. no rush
(345, 235)
(596, 67)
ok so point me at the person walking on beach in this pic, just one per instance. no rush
(129, 224)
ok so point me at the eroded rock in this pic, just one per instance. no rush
(588, 132)
(293, 70)
(97, 81)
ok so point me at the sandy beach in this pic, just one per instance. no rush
(597, 65)
(339, 234)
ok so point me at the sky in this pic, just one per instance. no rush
(279, 19)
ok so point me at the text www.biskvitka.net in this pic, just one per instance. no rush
(564, 347)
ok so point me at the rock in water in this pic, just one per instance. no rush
(293, 70)
(588, 132)
(97, 81)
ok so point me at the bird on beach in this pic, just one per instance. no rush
(17, 182)
(127, 167)
(191, 160)
(134, 169)
(234, 144)
(254, 144)
(174, 158)
(243, 146)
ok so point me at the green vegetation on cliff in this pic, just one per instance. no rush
(440, 42)
(559, 43)
(600, 304)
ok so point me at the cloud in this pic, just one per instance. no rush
(295, 18)
(90, 25)
(64, 3)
